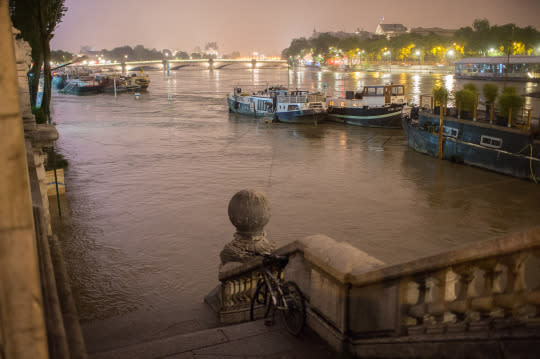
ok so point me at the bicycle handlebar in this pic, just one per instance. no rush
(269, 258)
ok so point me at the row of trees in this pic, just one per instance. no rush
(479, 40)
(140, 53)
(37, 20)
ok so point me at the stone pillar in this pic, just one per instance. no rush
(23, 60)
(249, 212)
(22, 328)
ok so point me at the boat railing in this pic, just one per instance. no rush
(292, 99)
(316, 98)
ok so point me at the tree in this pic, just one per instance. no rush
(60, 56)
(182, 55)
(45, 15)
(23, 16)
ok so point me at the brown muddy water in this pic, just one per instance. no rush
(150, 179)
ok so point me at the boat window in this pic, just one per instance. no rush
(450, 132)
(331, 103)
(397, 91)
(372, 91)
(293, 108)
(493, 142)
(342, 104)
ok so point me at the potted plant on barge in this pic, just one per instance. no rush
(465, 102)
(509, 105)
(490, 91)
(440, 96)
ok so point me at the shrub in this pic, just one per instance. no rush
(509, 91)
(440, 95)
(509, 100)
(466, 99)
(471, 87)
(490, 92)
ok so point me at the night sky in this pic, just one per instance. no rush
(263, 26)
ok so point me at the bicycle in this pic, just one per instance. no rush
(272, 293)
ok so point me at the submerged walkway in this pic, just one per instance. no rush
(191, 338)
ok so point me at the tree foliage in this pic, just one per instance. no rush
(37, 20)
(60, 56)
(480, 39)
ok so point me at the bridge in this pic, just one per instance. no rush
(175, 64)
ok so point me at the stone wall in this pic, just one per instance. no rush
(38, 318)
(21, 306)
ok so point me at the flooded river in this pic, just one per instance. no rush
(150, 179)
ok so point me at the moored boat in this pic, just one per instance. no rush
(510, 151)
(83, 85)
(280, 104)
(137, 81)
(374, 106)
(300, 107)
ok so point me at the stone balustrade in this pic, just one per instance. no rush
(481, 301)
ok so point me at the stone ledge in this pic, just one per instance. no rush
(502, 246)
(44, 135)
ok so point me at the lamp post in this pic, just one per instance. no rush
(450, 55)
(124, 64)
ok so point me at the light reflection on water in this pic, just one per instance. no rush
(150, 180)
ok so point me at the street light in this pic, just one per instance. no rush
(450, 55)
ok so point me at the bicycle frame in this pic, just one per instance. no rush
(274, 283)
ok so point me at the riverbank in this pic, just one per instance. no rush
(391, 68)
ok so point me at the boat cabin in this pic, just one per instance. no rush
(371, 96)
(390, 92)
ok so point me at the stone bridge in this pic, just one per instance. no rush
(173, 64)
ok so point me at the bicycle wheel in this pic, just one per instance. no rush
(261, 297)
(295, 316)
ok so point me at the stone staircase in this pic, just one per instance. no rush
(195, 334)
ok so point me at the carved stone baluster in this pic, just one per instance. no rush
(227, 294)
(461, 303)
(507, 291)
(435, 306)
(234, 294)
(409, 297)
(246, 290)
(418, 310)
(528, 283)
(483, 303)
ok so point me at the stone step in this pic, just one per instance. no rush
(252, 339)
(137, 327)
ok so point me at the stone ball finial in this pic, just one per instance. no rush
(249, 211)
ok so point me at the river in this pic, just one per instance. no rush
(149, 183)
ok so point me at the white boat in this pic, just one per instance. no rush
(374, 106)
(296, 106)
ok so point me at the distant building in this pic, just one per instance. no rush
(390, 30)
(424, 31)
(89, 52)
(342, 34)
